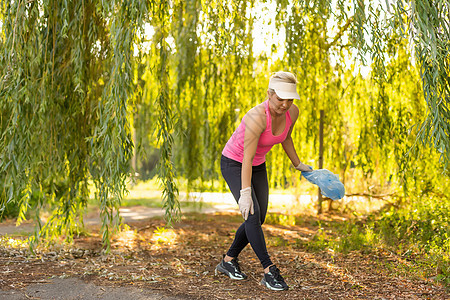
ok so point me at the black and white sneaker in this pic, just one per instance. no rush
(273, 280)
(231, 269)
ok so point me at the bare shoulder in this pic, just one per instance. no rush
(294, 112)
(256, 117)
(258, 112)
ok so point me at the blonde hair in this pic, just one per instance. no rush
(283, 76)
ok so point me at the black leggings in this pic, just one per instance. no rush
(250, 230)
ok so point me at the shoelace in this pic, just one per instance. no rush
(235, 264)
(276, 274)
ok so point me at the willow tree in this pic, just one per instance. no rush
(385, 112)
(74, 79)
(65, 70)
(216, 77)
(426, 25)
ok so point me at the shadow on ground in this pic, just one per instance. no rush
(150, 261)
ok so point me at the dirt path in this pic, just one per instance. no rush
(74, 288)
(150, 262)
(135, 213)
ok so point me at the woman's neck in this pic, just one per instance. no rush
(274, 114)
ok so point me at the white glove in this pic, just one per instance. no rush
(304, 168)
(246, 202)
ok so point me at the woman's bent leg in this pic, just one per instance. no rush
(231, 171)
(250, 230)
(253, 229)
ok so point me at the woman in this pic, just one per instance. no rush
(243, 168)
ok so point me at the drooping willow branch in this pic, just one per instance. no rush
(65, 69)
(66, 79)
(426, 24)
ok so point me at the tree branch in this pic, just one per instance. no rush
(370, 195)
(340, 34)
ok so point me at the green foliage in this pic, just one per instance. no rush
(64, 70)
(418, 233)
(425, 24)
(80, 80)
(425, 222)
(280, 219)
(420, 230)
(165, 119)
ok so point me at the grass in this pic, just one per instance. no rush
(148, 194)
(414, 236)
(413, 255)
(146, 202)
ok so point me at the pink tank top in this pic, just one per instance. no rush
(234, 149)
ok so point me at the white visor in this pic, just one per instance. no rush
(284, 90)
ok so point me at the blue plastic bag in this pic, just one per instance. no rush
(329, 183)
